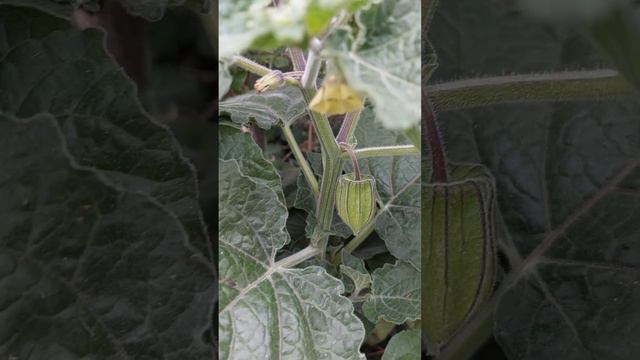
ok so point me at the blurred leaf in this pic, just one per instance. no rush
(246, 24)
(618, 36)
(612, 26)
(384, 60)
(224, 79)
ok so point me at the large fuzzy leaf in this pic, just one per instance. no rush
(384, 60)
(395, 294)
(104, 250)
(275, 107)
(48, 67)
(266, 310)
(567, 179)
(88, 268)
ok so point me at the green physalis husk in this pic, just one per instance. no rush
(458, 250)
(355, 200)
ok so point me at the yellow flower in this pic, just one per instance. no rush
(335, 97)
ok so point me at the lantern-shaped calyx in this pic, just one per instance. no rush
(355, 196)
(355, 200)
(458, 250)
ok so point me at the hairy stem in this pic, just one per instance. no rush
(433, 143)
(348, 127)
(332, 162)
(249, 65)
(295, 259)
(326, 203)
(304, 165)
(563, 86)
(255, 68)
(378, 151)
(354, 160)
(297, 59)
(313, 66)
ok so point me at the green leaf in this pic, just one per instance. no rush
(97, 110)
(88, 268)
(429, 56)
(403, 346)
(612, 26)
(398, 185)
(238, 146)
(353, 268)
(98, 134)
(616, 36)
(296, 313)
(395, 294)
(274, 107)
(384, 61)
(567, 181)
(576, 228)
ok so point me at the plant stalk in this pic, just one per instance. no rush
(379, 151)
(348, 127)
(360, 237)
(255, 68)
(565, 86)
(249, 65)
(326, 202)
(354, 160)
(300, 256)
(313, 66)
(304, 165)
(331, 161)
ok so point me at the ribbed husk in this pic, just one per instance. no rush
(458, 250)
(355, 200)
